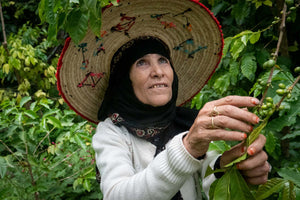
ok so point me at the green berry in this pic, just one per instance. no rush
(289, 95)
(280, 92)
(281, 85)
(269, 105)
(264, 107)
(269, 64)
(297, 70)
(269, 99)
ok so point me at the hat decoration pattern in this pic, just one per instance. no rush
(188, 28)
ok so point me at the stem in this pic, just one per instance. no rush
(289, 90)
(33, 182)
(268, 85)
(282, 28)
(60, 162)
(3, 30)
(12, 153)
(43, 140)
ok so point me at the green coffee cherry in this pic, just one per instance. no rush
(269, 105)
(289, 95)
(264, 107)
(269, 64)
(269, 99)
(297, 70)
(280, 92)
(281, 86)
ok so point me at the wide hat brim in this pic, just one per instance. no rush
(187, 27)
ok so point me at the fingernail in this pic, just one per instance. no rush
(238, 166)
(251, 129)
(255, 101)
(244, 136)
(251, 151)
(244, 149)
(256, 119)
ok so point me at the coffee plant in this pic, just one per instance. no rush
(46, 152)
(275, 80)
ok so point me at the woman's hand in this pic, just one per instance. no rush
(255, 168)
(224, 119)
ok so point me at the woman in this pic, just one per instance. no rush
(146, 147)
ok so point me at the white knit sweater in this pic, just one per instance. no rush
(129, 170)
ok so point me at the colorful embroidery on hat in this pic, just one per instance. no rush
(92, 78)
(158, 16)
(168, 25)
(83, 48)
(189, 42)
(125, 26)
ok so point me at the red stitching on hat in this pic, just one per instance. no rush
(125, 27)
(92, 77)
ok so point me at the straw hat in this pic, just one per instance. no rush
(187, 27)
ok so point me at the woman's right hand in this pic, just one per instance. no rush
(224, 119)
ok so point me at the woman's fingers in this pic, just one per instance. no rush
(228, 122)
(237, 113)
(257, 145)
(238, 101)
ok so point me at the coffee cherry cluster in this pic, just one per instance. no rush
(267, 108)
(283, 90)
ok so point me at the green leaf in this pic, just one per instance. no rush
(234, 71)
(227, 43)
(222, 189)
(222, 83)
(3, 167)
(31, 114)
(87, 185)
(237, 47)
(270, 143)
(241, 11)
(77, 182)
(77, 25)
(248, 67)
(255, 37)
(291, 175)
(273, 185)
(288, 192)
(80, 141)
(238, 187)
(55, 122)
(24, 100)
(239, 159)
(219, 146)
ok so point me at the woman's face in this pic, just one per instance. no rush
(152, 78)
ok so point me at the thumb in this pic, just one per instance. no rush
(232, 154)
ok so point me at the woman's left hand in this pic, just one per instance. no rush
(255, 168)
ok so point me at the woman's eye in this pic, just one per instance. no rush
(163, 60)
(140, 62)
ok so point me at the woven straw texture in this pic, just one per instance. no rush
(188, 28)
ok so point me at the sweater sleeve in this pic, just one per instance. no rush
(161, 179)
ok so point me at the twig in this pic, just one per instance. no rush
(289, 90)
(60, 162)
(43, 140)
(12, 153)
(3, 29)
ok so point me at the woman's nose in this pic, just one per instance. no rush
(156, 70)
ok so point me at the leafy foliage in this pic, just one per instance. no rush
(45, 152)
(24, 68)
